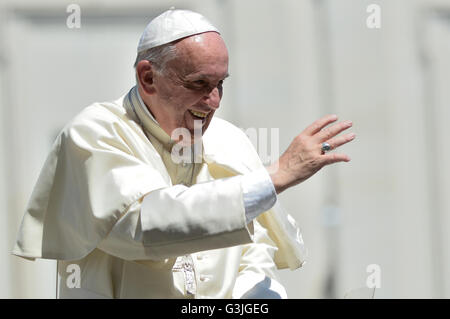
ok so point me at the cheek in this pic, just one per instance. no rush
(192, 98)
(182, 99)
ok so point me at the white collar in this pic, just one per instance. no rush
(144, 107)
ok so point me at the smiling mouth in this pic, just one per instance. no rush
(198, 114)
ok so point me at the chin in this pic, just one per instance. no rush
(190, 122)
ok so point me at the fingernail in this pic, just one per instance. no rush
(352, 136)
(348, 123)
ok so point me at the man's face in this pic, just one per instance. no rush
(191, 87)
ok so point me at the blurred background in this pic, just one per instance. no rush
(291, 62)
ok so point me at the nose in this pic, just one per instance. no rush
(213, 98)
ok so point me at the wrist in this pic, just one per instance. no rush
(277, 178)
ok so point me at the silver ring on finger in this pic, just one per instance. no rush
(326, 147)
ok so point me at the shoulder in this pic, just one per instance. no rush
(100, 113)
(99, 124)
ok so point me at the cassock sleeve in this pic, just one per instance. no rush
(179, 220)
(92, 187)
(97, 178)
(257, 277)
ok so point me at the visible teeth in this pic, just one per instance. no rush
(199, 114)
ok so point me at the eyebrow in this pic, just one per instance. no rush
(202, 77)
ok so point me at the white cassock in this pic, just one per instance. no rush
(110, 200)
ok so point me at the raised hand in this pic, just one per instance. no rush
(304, 156)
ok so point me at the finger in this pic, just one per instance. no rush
(329, 132)
(320, 124)
(332, 158)
(341, 140)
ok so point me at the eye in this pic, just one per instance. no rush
(200, 84)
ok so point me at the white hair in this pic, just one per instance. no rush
(158, 56)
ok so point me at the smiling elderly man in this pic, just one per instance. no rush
(115, 201)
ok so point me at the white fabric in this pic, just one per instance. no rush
(86, 209)
(259, 192)
(172, 25)
(102, 163)
(179, 219)
(257, 278)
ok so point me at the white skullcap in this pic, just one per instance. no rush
(173, 25)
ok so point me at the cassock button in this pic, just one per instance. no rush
(199, 257)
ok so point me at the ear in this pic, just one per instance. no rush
(144, 72)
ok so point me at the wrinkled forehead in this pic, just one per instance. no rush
(204, 54)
